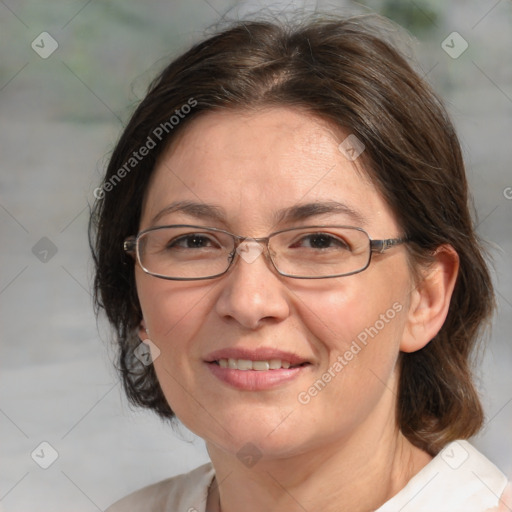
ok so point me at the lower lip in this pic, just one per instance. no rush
(255, 380)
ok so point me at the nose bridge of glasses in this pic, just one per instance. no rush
(249, 249)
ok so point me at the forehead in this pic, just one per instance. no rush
(251, 165)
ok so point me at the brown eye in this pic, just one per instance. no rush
(192, 241)
(320, 241)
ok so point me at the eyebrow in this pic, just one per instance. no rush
(198, 210)
(293, 214)
(305, 211)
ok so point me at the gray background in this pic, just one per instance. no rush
(59, 119)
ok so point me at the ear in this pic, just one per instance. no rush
(430, 300)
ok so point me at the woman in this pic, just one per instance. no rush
(284, 224)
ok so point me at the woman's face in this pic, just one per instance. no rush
(343, 333)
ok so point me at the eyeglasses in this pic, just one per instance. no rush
(188, 253)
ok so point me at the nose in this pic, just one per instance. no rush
(252, 293)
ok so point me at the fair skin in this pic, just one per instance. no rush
(326, 454)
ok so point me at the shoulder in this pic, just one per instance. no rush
(183, 492)
(458, 479)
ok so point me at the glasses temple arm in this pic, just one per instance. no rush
(384, 245)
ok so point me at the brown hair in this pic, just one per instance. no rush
(343, 71)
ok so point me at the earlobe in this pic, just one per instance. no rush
(430, 300)
(143, 330)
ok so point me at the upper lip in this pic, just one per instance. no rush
(258, 354)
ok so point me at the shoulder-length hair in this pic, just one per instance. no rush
(345, 72)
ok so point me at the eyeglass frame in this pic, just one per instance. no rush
(131, 247)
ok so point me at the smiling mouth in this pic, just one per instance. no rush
(259, 365)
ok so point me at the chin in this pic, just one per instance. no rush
(273, 435)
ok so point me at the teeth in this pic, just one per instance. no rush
(244, 364)
(247, 364)
(275, 364)
(261, 365)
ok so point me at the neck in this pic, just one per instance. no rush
(339, 480)
(356, 474)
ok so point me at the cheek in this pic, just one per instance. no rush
(356, 336)
(173, 312)
(355, 333)
(338, 315)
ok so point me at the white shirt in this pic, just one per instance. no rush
(458, 479)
